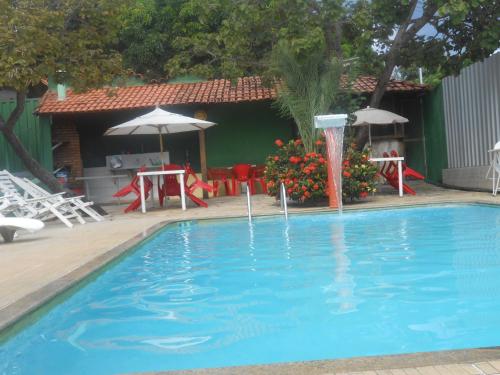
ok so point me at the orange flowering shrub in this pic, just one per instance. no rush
(358, 174)
(305, 175)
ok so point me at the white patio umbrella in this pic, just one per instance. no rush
(374, 116)
(161, 122)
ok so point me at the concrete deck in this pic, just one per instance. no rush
(35, 268)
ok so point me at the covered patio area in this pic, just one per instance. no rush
(247, 125)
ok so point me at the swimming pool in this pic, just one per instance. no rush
(323, 286)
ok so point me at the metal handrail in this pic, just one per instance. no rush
(249, 204)
(283, 203)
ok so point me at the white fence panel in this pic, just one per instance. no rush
(472, 113)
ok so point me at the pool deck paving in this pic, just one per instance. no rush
(37, 267)
(439, 363)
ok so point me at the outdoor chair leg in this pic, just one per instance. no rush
(61, 217)
(227, 186)
(89, 211)
(497, 186)
(251, 185)
(7, 234)
(215, 187)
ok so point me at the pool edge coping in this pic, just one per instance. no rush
(14, 313)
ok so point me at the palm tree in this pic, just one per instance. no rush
(309, 86)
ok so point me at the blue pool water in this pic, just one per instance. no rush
(220, 293)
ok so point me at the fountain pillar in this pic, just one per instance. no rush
(333, 126)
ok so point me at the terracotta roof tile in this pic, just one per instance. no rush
(246, 89)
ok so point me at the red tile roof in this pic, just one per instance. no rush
(247, 89)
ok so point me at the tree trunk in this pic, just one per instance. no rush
(378, 93)
(7, 129)
(407, 30)
(31, 164)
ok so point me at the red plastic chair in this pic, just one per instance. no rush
(390, 173)
(168, 186)
(407, 171)
(135, 188)
(197, 183)
(388, 167)
(242, 173)
(171, 186)
(217, 175)
(257, 176)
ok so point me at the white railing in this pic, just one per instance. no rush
(283, 203)
(249, 204)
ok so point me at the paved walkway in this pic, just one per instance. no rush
(475, 368)
(36, 267)
(480, 368)
(490, 368)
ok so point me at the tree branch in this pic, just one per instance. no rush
(16, 113)
(404, 26)
(408, 29)
(417, 24)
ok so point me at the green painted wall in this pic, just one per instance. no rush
(435, 135)
(34, 133)
(245, 133)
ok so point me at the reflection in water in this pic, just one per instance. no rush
(403, 236)
(251, 245)
(343, 281)
(288, 245)
(185, 233)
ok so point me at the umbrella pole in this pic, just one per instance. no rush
(203, 158)
(161, 150)
(370, 135)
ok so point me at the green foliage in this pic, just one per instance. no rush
(39, 38)
(459, 33)
(222, 38)
(309, 85)
(146, 35)
(231, 38)
(358, 174)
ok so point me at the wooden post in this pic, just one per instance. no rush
(203, 159)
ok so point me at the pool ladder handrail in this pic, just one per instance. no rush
(249, 204)
(283, 202)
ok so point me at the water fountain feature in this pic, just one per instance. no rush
(333, 126)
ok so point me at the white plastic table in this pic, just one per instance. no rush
(400, 160)
(180, 172)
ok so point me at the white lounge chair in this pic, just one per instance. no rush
(18, 205)
(37, 192)
(35, 206)
(10, 225)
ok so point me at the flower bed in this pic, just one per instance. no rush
(358, 174)
(305, 174)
